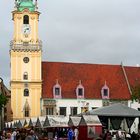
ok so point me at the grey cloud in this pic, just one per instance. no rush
(91, 31)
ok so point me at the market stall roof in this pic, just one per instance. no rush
(56, 121)
(74, 121)
(118, 110)
(40, 121)
(90, 120)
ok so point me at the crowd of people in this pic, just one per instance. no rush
(30, 134)
(119, 135)
(62, 134)
(22, 134)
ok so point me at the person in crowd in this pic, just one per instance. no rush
(70, 134)
(133, 136)
(1, 136)
(128, 136)
(8, 136)
(13, 136)
(31, 136)
(122, 136)
(23, 134)
(18, 136)
(76, 133)
(107, 135)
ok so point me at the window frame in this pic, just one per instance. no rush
(103, 90)
(73, 111)
(57, 86)
(26, 94)
(61, 109)
(49, 111)
(80, 87)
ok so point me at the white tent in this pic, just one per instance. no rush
(56, 121)
(74, 121)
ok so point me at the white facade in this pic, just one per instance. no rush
(79, 103)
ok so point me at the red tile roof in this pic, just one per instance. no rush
(93, 77)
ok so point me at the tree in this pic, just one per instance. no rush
(3, 101)
(135, 93)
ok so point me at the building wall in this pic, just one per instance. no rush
(79, 103)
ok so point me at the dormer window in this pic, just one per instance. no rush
(57, 90)
(105, 92)
(80, 90)
(26, 19)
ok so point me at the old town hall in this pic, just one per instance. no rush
(56, 88)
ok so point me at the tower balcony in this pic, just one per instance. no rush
(25, 46)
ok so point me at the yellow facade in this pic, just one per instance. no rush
(26, 80)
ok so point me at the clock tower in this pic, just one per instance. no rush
(25, 57)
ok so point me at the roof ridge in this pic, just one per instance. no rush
(81, 63)
(126, 78)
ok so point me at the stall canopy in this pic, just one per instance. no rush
(56, 121)
(90, 120)
(40, 121)
(74, 121)
(116, 113)
(119, 110)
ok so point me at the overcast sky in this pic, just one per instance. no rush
(85, 31)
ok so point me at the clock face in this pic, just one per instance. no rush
(26, 29)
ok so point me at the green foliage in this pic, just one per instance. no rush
(3, 101)
(135, 93)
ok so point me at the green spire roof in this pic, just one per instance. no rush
(23, 4)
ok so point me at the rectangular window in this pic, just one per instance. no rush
(105, 92)
(49, 111)
(73, 111)
(63, 111)
(57, 91)
(80, 92)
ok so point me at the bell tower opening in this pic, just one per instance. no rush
(26, 19)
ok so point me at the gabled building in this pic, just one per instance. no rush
(59, 88)
(71, 88)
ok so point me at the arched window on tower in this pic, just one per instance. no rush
(25, 76)
(26, 19)
(26, 109)
(26, 92)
